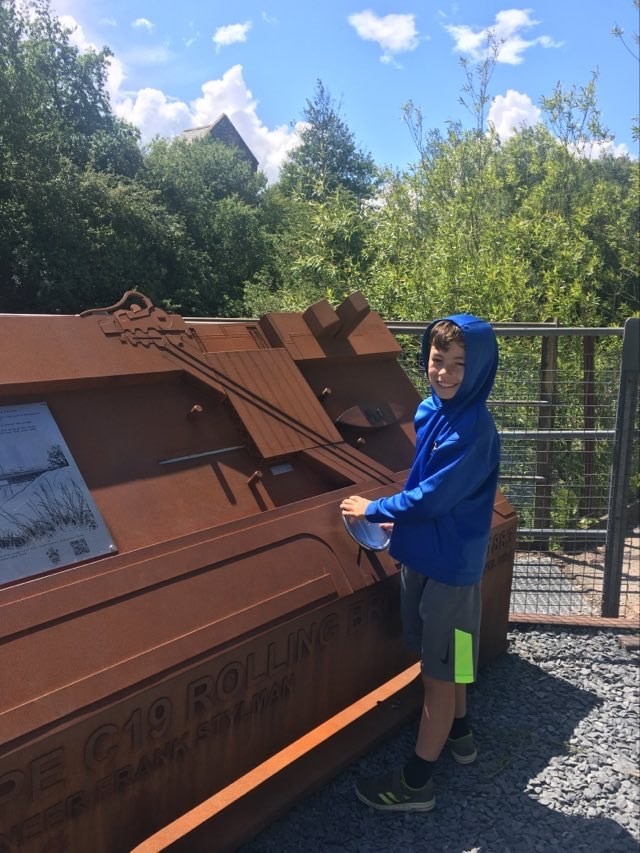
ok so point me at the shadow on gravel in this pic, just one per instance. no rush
(488, 806)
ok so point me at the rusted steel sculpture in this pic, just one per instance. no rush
(225, 610)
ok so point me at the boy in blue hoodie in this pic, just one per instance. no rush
(441, 523)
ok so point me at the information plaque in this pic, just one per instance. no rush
(48, 519)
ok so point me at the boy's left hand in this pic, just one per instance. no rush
(354, 506)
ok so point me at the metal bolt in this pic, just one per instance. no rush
(257, 475)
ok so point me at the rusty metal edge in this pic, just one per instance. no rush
(240, 811)
(237, 813)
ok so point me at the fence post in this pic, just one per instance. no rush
(621, 468)
(587, 495)
(546, 415)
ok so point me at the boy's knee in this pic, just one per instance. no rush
(437, 684)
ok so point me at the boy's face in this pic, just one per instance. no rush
(446, 370)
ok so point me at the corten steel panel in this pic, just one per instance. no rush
(496, 581)
(276, 407)
(237, 614)
(229, 337)
(38, 352)
(322, 332)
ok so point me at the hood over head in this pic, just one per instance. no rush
(481, 361)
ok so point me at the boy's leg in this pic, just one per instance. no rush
(461, 701)
(460, 740)
(450, 619)
(443, 623)
(436, 718)
(444, 708)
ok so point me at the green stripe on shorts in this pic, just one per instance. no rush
(463, 657)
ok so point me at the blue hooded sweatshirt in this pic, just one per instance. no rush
(442, 518)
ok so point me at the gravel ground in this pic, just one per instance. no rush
(556, 721)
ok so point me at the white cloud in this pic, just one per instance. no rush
(115, 73)
(230, 95)
(142, 24)
(156, 114)
(194, 37)
(393, 33)
(594, 150)
(77, 37)
(514, 111)
(511, 112)
(231, 34)
(506, 31)
(157, 54)
(68, 7)
(153, 112)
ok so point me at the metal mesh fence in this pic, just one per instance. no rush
(554, 402)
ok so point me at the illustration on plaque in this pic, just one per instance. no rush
(47, 516)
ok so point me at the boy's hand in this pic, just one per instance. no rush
(354, 506)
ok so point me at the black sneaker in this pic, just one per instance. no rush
(391, 793)
(463, 749)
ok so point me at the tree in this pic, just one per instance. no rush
(318, 215)
(475, 90)
(517, 231)
(328, 157)
(53, 97)
(318, 253)
(96, 237)
(55, 122)
(618, 32)
(216, 196)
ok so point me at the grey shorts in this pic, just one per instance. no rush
(442, 623)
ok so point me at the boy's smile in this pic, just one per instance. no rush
(446, 370)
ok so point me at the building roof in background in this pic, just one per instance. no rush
(224, 131)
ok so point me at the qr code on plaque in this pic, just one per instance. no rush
(79, 547)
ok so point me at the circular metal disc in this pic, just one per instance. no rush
(367, 535)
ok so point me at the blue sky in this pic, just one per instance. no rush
(181, 64)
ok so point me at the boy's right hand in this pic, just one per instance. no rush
(354, 506)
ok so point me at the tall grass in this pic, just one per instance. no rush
(47, 512)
